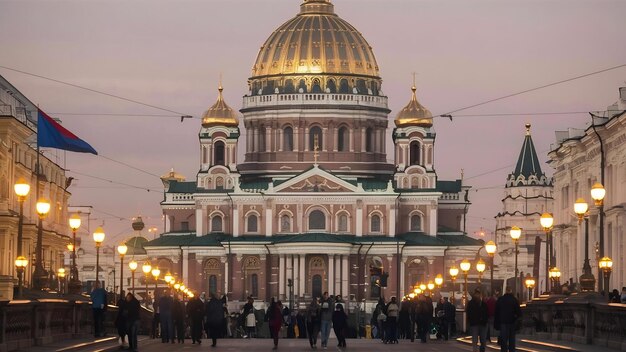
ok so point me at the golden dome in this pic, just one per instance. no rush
(414, 114)
(316, 41)
(220, 114)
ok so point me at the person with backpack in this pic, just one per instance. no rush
(313, 322)
(327, 307)
(392, 321)
(249, 319)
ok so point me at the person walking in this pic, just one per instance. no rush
(491, 312)
(404, 320)
(274, 316)
(99, 306)
(313, 322)
(326, 316)
(165, 311)
(132, 309)
(178, 318)
(477, 319)
(507, 313)
(449, 319)
(340, 324)
(156, 317)
(249, 318)
(380, 316)
(392, 321)
(120, 320)
(214, 318)
(195, 312)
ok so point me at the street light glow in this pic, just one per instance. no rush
(43, 207)
(516, 233)
(491, 248)
(439, 280)
(597, 193)
(122, 249)
(75, 222)
(546, 220)
(146, 267)
(21, 188)
(481, 266)
(454, 272)
(98, 236)
(132, 265)
(465, 266)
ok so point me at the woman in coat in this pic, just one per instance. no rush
(275, 318)
(214, 318)
(340, 324)
(313, 322)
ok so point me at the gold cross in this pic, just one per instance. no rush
(316, 147)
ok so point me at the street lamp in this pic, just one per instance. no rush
(465, 267)
(431, 287)
(21, 188)
(491, 249)
(75, 285)
(530, 284)
(547, 221)
(438, 280)
(20, 264)
(169, 279)
(454, 272)
(98, 237)
(597, 194)
(146, 268)
(40, 277)
(61, 277)
(132, 266)
(480, 267)
(155, 273)
(606, 264)
(587, 280)
(122, 249)
(516, 233)
(555, 275)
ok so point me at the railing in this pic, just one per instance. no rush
(314, 98)
(578, 318)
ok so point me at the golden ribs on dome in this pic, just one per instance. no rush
(414, 114)
(220, 114)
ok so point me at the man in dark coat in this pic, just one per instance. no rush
(165, 310)
(195, 312)
(477, 318)
(131, 312)
(120, 320)
(507, 313)
(214, 318)
(178, 317)
(449, 318)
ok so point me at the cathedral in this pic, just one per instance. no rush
(316, 205)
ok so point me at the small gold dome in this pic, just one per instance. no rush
(414, 114)
(220, 114)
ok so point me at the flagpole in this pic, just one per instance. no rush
(39, 274)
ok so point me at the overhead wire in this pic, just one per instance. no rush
(117, 182)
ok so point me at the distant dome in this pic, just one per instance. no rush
(135, 245)
(220, 114)
(414, 114)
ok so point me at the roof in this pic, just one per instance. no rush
(182, 187)
(187, 239)
(449, 186)
(135, 245)
(528, 162)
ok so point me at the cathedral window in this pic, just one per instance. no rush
(344, 88)
(414, 153)
(288, 139)
(285, 223)
(302, 86)
(316, 86)
(219, 158)
(213, 284)
(252, 223)
(342, 139)
(342, 223)
(184, 225)
(375, 223)
(374, 87)
(331, 87)
(254, 285)
(289, 87)
(416, 223)
(317, 220)
(315, 131)
(369, 140)
(216, 224)
(360, 86)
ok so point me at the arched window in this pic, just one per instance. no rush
(253, 223)
(331, 87)
(317, 220)
(415, 153)
(254, 285)
(375, 223)
(360, 86)
(216, 224)
(343, 86)
(374, 87)
(288, 139)
(213, 284)
(342, 139)
(289, 88)
(369, 140)
(302, 86)
(285, 223)
(316, 285)
(261, 139)
(316, 86)
(219, 158)
(416, 223)
(342, 223)
(315, 131)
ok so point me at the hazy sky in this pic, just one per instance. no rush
(170, 54)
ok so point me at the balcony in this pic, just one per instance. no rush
(277, 100)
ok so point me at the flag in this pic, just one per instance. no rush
(51, 134)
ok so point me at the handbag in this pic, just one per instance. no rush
(382, 317)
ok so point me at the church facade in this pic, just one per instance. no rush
(315, 205)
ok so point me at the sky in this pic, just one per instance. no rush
(170, 54)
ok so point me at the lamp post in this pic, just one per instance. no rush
(155, 273)
(606, 264)
(439, 281)
(40, 277)
(597, 194)
(146, 268)
(98, 237)
(20, 264)
(21, 190)
(555, 275)
(547, 221)
(491, 249)
(132, 266)
(587, 280)
(530, 284)
(481, 266)
(169, 279)
(465, 267)
(74, 285)
(516, 233)
(431, 286)
(454, 272)
(122, 249)
(61, 277)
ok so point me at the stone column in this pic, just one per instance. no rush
(351, 139)
(201, 217)
(302, 274)
(324, 139)
(392, 221)
(281, 275)
(345, 276)
(306, 139)
(269, 220)
(337, 260)
(359, 219)
(268, 139)
(226, 275)
(235, 221)
(295, 273)
(296, 138)
(331, 274)
(433, 221)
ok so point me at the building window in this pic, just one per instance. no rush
(343, 86)
(331, 87)
(302, 86)
(184, 225)
(416, 223)
(317, 220)
(216, 224)
(375, 223)
(254, 285)
(219, 153)
(313, 132)
(289, 88)
(342, 139)
(565, 197)
(288, 139)
(253, 223)
(213, 284)
(342, 223)
(285, 223)
(414, 153)
(369, 140)
(316, 86)
(316, 285)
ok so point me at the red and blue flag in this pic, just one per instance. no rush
(52, 135)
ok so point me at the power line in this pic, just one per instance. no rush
(94, 90)
(116, 182)
(130, 166)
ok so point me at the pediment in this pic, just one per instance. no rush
(315, 180)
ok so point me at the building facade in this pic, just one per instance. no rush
(315, 206)
(18, 158)
(576, 158)
(527, 195)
